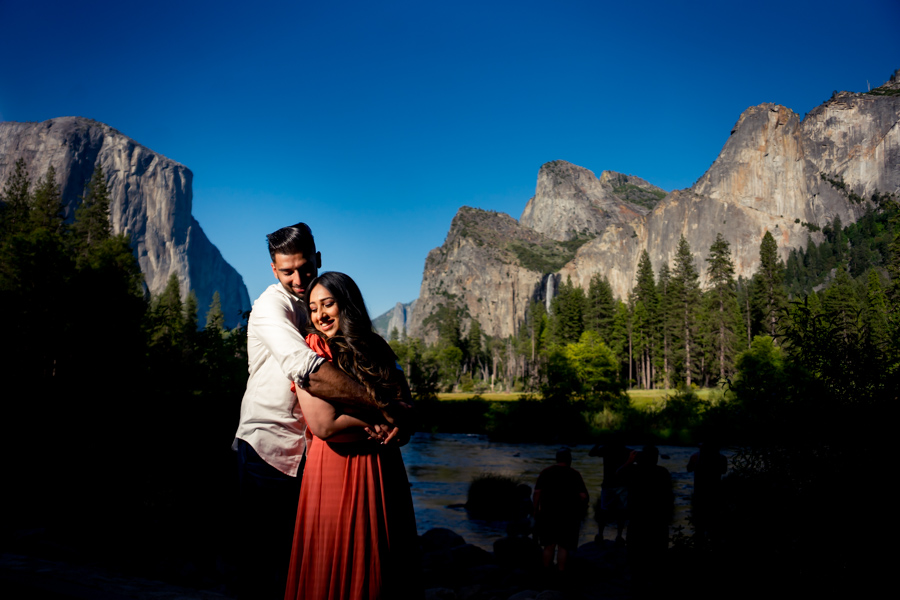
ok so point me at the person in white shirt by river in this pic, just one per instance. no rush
(270, 438)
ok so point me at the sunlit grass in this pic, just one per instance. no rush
(493, 397)
(640, 399)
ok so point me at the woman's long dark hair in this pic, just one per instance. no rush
(357, 349)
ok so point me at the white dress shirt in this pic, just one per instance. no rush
(271, 420)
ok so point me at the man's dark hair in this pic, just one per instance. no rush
(564, 456)
(295, 239)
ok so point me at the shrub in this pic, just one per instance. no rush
(492, 497)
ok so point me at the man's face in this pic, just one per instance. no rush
(294, 271)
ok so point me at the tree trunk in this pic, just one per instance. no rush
(687, 351)
(630, 360)
(749, 338)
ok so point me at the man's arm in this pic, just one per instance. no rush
(330, 383)
(273, 323)
(326, 423)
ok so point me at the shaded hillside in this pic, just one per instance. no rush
(634, 190)
(490, 267)
(151, 202)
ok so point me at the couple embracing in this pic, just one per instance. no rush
(325, 506)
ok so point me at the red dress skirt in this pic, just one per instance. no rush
(355, 536)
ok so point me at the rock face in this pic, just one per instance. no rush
(396, 318)
(570, 201)
(479, 270)
(774, 173)
(150, 201)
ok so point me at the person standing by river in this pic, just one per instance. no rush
(613, 493)
(650, 504)
(708, 465)
(560, 500)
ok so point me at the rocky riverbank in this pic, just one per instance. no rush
(452, 570)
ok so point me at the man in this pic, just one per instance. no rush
(560, 501)
(270, 439)
(613, 493)
(650, 504)
(708, 465)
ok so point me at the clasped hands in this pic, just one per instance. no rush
(396, 427)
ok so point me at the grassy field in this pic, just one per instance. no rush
(498, 397)
(641, 399)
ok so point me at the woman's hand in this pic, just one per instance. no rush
(380, 432)
(398, 417)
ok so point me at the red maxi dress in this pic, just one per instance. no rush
(355, 534)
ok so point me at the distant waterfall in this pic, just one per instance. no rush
(549, 289)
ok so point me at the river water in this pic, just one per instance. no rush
(441, 466)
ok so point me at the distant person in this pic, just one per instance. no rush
(560, 501)
(270, 440)
(650, 504)
(613, 493)
(708, 465)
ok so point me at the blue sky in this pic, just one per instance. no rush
(375, 121)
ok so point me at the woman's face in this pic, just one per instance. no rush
(324, 311)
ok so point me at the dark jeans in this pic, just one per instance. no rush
(268, 507)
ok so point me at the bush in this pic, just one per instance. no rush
(492, 497)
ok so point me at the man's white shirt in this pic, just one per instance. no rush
(277, 354)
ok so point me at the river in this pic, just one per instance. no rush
(441, 466)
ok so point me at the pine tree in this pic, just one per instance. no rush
(666, 323)
(190, 312)
(167, 316)
(685, 290)
(48, 211)
(566, 314)
(892, 262)
(646, 294)
(640, 319)
(629, 337)
(768, 296)
(841, 304)
(215, 319)
(446, 317)
(814, 303)
(16, 199)
(600, 307)
(473, 346)
(91, 226)
(875, 315)
(838, 240)
(724, 313)
(620, 335)
(535, 330)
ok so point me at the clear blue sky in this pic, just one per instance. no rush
(375, 121)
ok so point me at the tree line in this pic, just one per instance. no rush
(111, 392)
(669, 331)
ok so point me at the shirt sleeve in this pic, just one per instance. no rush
(273, 323)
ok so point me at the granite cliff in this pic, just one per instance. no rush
(571, 202)
(774, 173)
(396, 318)
(151, 202)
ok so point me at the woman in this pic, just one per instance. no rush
(355, 534)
